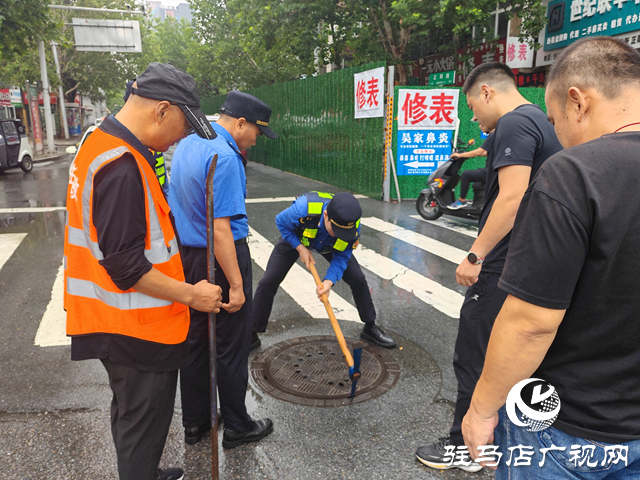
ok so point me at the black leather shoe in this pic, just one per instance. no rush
(261, 428)
(170, 474)
(194, 434)
(374, 334)
(255, 341)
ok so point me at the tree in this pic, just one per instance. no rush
(22, 24)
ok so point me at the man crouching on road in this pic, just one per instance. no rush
(330, 225)
(572, 315)
(126, 299)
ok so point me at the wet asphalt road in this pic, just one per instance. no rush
(54, 413)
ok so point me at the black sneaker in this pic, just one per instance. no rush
(255, 341)
(374, 334)
(261, 428)
(170, 474)
(434, 456)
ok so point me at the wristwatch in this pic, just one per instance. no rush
(474, 259)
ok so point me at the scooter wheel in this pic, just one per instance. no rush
(428, 207)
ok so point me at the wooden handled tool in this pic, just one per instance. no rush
(353, 375)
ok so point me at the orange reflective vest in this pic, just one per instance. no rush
(93, 302)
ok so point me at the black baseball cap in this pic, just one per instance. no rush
(344, 211)
(254, 110)
(163, 81)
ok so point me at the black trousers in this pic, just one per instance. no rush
(280, 262)
(141, 414)
(233, 343)
(481, 306)
(469, 176)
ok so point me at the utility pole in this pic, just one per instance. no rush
(51, 147)
(63, 113)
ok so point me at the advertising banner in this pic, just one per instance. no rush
(434, 109)
(420, 152)
(369, 93)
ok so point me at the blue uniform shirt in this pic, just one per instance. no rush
(188, 190)
(288, 220)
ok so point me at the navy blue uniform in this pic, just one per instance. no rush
(191, 162)
(303, 223)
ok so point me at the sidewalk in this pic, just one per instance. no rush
(61, 145)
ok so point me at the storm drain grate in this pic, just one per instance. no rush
(312, 371)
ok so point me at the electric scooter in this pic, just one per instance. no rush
(434, 200)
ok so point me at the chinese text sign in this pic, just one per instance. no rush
(420, 152)
(369, 93)
(436, 109)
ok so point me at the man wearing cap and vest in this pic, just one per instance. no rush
(243, 119)
(125, 294)
(330, 225)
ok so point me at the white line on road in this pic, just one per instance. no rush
(443, 250)
(8, 244)
(460, 227)
(299, 284)
(282, 199)
(52, 330)
(447, 301)
(31, 209)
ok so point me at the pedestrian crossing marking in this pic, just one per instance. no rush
(458, 227)
(299, 284)
(282, 199)
(429, 291)
(428, 244)
(53, 326)
(31, 209)
(8, 244)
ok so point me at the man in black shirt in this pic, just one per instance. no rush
(572, 314)
(522, 141)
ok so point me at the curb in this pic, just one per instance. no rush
(50, 158)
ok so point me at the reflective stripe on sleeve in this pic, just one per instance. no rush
(315, 208)
(340, 245)
(310, 232)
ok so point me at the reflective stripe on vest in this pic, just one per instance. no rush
(93, 302)
(340, 245)
(310, 232)
(315, 208)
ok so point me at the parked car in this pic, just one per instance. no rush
(15, 150)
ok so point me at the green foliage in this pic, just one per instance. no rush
(22, 24)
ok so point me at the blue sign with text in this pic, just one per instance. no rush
(420, 152)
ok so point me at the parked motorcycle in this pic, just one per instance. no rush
(434, 200)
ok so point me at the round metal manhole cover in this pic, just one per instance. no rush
(312, 371)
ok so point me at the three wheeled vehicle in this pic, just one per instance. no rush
(15, 150)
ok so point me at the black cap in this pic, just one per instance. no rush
(254, 110)
(344, 211)
(127, 92)
(163, 81)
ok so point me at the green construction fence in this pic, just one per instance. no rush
(319, 138)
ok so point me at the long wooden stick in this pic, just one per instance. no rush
(334, 321)
(211, 274)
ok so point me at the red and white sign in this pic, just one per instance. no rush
(369, 93)
(519, 55)
(432, 109)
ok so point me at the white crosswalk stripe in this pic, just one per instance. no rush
(299, 284)
(8, 244)
(428, 244)
(451, 224)
(427, 290)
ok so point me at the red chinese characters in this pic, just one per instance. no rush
(443, 106)
(415, 110)
(361, 94)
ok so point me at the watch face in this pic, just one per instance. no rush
(472, 257)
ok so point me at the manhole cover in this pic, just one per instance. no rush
(312, 371)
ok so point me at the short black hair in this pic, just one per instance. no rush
(602, 63)
(494, 74)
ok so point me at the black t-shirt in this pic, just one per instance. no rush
(576, 246)
(523, 136)
(486, 145)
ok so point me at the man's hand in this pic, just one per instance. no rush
(455, 155)
(477, 431)
(305, 256)
(467, 273)
(236, 300)
(206, 297)
(324, 288)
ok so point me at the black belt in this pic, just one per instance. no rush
(241, 241)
